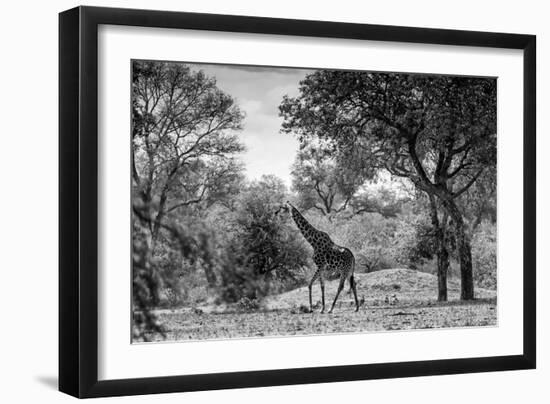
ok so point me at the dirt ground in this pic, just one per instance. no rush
(396, 299)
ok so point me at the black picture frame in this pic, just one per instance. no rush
(78, 201)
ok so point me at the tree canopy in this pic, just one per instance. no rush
(184, 143)
(437, 131)
(321, 182)
(184, 138)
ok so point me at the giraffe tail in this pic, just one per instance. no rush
(351, 278)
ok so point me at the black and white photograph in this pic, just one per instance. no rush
(274, 201)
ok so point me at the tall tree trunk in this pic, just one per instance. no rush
(442, 270)
(442, 252)
(464, 250)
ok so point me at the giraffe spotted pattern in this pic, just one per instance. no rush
(328, 257)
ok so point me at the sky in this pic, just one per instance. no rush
(258, 91)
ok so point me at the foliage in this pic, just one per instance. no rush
(379, 198)
(246, 304)
(484, 254)
(321, 182)
(437, 131)
(383, 115)
(145, 287)
(184, 139)
(479, 203)
(373, 149)
(183, 155)
(148, 279)
(370, 236)
(263, 248)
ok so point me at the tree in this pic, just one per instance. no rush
(184, 139)
(262, 247)
(439, 229)
(321, 182)
(479, 203)
(329, 185)
(437, 131)
(146, 277)
(380, 199)
(184, 144)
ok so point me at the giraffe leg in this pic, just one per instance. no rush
(353, 286)
(340, 287)
(315, 276)
(322, 281)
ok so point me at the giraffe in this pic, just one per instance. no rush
(327, 256)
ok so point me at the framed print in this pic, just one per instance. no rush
(251, 201)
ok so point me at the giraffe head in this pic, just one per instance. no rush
(283, 209)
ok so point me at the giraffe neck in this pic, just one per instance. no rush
(307, 230)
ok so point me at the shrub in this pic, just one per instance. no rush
(263, 248)
(145, 287)
(238, 280)
(484, 256)
(246, 304)
(370, 236)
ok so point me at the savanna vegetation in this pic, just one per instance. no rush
(401, 169)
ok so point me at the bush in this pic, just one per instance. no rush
(145, 287)
(484, 256)
(185, 280)
(238, 280)
(370, 236)
(246, 304)
(263, 248)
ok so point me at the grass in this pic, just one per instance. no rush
(394, 299)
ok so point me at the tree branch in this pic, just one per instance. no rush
(468, 185)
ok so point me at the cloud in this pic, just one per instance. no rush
(259, 91)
